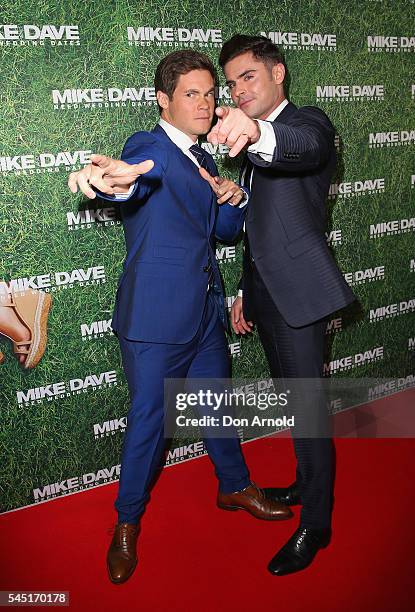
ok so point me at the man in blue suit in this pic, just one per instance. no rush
(290, 280)
(169, 313)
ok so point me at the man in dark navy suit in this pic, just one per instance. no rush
(290, 280)
(169, 313)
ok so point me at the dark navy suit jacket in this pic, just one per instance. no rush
(286, 220)
(170, 222)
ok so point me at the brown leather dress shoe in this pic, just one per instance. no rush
(122, 554)
(253, 500)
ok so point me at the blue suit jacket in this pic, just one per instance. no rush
(287, 218)
(170, 223)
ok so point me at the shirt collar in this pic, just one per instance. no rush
(277, 110)
(180, 139)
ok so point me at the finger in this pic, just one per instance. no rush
(223, 132)
(99, 183)
(235, 321)
(234, 133)
(103, 161)
(73, 177)
(246, 326)
(212, 137)
(243, 328)
(143, 167)
(226, 197)
(72, 184)
(239, 145)
(85, 187)
(236, 199)
(222, 111)
(236, 312)
(240, 329)
(225, 185)
(205, 174)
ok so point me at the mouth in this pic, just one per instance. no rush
(244, 103)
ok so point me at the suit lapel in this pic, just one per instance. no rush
(286, 113)
(196, 192)
(246, 172)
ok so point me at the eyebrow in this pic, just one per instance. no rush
(242, 75)
(212, 89)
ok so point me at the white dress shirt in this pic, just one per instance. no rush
(266, 144)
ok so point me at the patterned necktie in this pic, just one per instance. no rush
(199, 154)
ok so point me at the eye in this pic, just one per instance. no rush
(231, 85)
(248, 77)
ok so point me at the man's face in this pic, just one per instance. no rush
(192, 105)
(255, 88)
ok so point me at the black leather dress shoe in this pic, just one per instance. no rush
(289, 496)
(299, 551)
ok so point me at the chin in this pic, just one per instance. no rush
(201, 129)
(248, 110)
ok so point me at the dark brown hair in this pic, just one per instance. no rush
(260, 46)
(180, 62)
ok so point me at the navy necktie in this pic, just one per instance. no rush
(199, 154)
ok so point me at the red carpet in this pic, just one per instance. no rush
(193, 556)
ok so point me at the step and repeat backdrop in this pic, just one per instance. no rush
(77, 77)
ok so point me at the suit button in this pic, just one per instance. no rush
(205, 268)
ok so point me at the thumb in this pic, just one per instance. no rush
(103, 161)
(144, 167)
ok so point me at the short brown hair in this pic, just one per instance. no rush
(260, 46)
(180, 62)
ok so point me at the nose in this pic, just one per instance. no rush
(203, 102)
(239, 89)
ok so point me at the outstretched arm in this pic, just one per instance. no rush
(303, 145)
(108, 175)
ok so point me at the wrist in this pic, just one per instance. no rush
(257, 132)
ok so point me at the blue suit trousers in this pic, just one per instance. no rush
(146, 365)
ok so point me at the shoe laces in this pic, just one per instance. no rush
(260, 491)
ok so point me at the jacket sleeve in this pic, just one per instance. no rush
(303, 145)
(229, 219)
(138, 148)
(229, 222)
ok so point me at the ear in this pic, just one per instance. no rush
(278, 73)
(162, 99)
